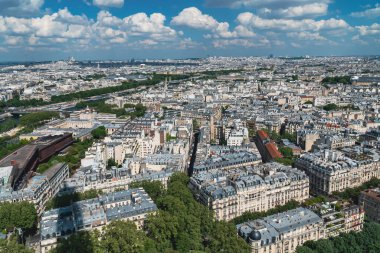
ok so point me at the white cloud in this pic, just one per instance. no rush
(188, 43)
(74, 30)
(269, 4)
(241, 43)
(105, 18)
(250, 21)
(370, 13)
(20, 7)
(306, 36)
(194, 18)
(13, 40)
(373, 29)
(308, 10)
(140, 24)
(109, 3)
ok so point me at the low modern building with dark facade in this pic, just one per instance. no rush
(17, 167)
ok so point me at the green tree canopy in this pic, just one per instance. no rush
(337, 79)
(121, 236)
(11, 246)
(99, 133)
(330, 107)
(35, 119)
(365, 241)
(18, 215)
(286, 151)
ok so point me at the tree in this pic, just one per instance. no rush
(367, 240)
(223, 238)
(286, 151)
(7, 125)
(337, 79)
(18, 215)
(12, 246)
(99, 133)
(37, 118)
(83, 242)
(111, 163)
(153, 188)
(330, 107)
(303, 249)
(247, 216)
(163, 229)
(121, 236)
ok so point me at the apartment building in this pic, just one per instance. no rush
(39, 189)
(283, 232)
(370, 201)
(331, 171)
(233, 159)
(230, 193)
(130, 205)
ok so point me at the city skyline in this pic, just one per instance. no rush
(37, 30)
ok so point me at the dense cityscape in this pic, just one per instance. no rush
(222, 154)
(203, 126)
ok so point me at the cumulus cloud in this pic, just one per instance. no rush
(306, 36)
(20, 7)
(64, 29)
(369, 13)
(240, 43)
(13, 40)
(373, 29)
(308, 10)
(269, 4)
(192, 17)
(109, 3)
(251, 20)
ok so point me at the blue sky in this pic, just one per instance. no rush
(123, 29)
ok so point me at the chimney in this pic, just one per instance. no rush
(13, 163)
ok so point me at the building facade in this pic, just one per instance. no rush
(131, 205)
(283, 232)
(230, 193)
(331, 171)
(370, 201)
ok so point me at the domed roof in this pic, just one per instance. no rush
(255, 235)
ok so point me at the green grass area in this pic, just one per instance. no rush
(8, 124)
(9, 144)
(75, 153)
